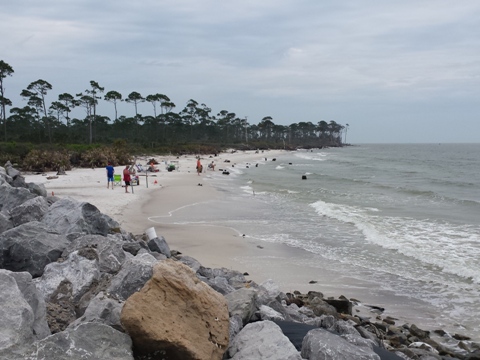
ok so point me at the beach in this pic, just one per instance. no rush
(167, 193)
(348, 230)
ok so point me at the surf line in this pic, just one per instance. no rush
(170, 213)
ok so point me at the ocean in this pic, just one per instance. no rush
(394, 225)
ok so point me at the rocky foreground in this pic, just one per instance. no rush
(74, 285)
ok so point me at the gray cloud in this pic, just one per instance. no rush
(378, 67)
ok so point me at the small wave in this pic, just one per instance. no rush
(279, 167)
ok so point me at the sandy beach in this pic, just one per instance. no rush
(166, 194)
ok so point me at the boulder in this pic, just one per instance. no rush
(108, 248)
(5, 223)
(87, 341)
(242, 302)
(16, 314)
(159, 245)
(35, 300)
(11, 171)
(267, 313)
(69, 216)
(81, 269)
(320, 344)
(11, 197)
(135, 272)
(37, 189)
(177, 315)
(262, 340)
(192, 263)
(30, 247)
(30, 210)
(104, 310)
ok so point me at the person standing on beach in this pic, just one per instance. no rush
(199, 167)
(126, 178)
(110, 172)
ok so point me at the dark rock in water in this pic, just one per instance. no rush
(342, 306)
(312, 282)
(226, 173)
(30, 247)
(304, 177)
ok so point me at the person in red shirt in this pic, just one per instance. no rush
(126, 178)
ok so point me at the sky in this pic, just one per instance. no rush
(397, 71)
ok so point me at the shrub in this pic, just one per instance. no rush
(46, 160)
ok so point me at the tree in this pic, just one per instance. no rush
(69, 102)
(135, 98)
(90, 102)
(5, 70)
(346, 129)
(36, 92)
(58, 110)
(113, 97)
(266, 126)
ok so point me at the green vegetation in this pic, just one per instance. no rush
(42, 135)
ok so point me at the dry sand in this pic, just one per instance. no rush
(167, 193)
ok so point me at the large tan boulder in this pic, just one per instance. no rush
(177, 316)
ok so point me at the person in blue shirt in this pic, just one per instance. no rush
(110, 172)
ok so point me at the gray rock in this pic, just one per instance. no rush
(192, 263)
(159, 245)
(69, 216)
(236, 324)
(102, 309)
(267, 313)
(88, 341)
(262, 340)
(5, 222)
(220, 284)
(81, 269)
(132, 247)
(135, 272)
(11, 197)
(16, 315)
(35, 300)
(30, 247)
(242, 302)
(108, 248)
(11, 171)
(30, 210)
(37, 189)
(320, 344)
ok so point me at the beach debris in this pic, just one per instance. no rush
(200, 184)
(312, 282)
(259, 246)
(226, 173)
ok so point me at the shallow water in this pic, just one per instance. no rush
(393, 224)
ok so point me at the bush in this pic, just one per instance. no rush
(46, 160)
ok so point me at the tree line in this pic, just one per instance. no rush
(41, 121)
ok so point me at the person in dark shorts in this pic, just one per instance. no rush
(126, 178)
(110, 172)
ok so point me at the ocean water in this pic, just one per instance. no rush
(398, 224)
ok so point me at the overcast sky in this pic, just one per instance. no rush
(397, 71)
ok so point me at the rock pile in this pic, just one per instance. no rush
(74, 285)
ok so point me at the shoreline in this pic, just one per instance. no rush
(179, 192)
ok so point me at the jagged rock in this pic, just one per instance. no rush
(11, 171)
(192, 263)
(135, 272)
(343, 306)
(267, 313)
(5, 222)
(172, 304)
(108, 248)
(262, 340)
(220, 284)
(81, 269)
(61, 308)
(132, 247)
(69, 216)
(11, 197)
(30, 210)
(37, 189)
(88, 341)
(30, 247)
(242, 302)
(320, 344)
(35, 300)
(159, 245)
(236, 324)
(320, 307)
(16, 315)
(102, 309)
